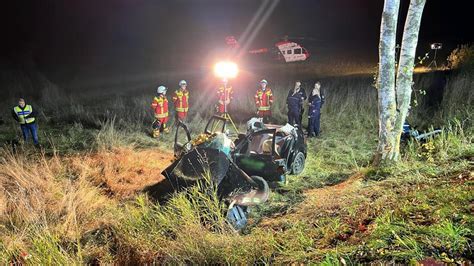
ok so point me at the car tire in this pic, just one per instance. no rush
(297, 166)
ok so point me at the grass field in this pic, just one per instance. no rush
(80, 199)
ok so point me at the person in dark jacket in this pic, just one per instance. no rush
(303, 91)
(295, 100)
(25, 115)
(315, 102)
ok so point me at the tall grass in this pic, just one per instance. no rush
(457, 101)
(54, 214)
(191, 227)
(46, 209)
(350, 101)
(61, 210)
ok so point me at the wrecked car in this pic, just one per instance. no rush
(241, 169)
(271, 151)
(210, 156)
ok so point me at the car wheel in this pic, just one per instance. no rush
(298, 164)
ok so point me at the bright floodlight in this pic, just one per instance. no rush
(436, 46)
(226, 70)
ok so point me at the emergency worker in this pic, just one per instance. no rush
(25, 115)
(264, 101)
(160, 108)
(181, 101)
(224, 96)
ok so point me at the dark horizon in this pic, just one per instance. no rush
(113, 37)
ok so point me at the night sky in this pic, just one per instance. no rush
(122, 36)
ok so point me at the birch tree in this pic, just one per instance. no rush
(394, 86)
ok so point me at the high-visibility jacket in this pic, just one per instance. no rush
(224, 97)
(160, 106)
(23, 113)
(181, 100)
(264, 99)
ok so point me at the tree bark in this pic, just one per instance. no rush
(386, 81)
(407, 63)
(395, 95)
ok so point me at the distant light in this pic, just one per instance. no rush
(436, 46)
(226, 70)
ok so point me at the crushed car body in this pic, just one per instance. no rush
(271, 151)
(239, 169)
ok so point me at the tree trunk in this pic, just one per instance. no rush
(407, 63)
(394, 101)
(386, 82)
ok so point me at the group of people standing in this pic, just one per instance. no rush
(295, 102)
(25, 114)
(160, 106)
(263, 102)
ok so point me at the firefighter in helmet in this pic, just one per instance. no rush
(181, 101)
(224, 96)
(264, 101)
(160, 107)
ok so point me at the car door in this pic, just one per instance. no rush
(216, 124)
(256, 155)
(182, 140)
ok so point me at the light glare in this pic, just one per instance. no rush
(226, 70)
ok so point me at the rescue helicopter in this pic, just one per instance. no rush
(287, 49)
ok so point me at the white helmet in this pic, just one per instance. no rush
(264, 81)
(161, 89)
(255, 124)
(183, 82)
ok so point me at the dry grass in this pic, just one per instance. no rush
(123, 172)
(85, 205)
(53, 199)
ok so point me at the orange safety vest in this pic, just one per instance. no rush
(264, 99)
(181, 100)
(160, 105)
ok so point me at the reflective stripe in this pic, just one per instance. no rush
(160, 105)
(264, 99)
(179, 109)
(22, 113)
(164, 115)
(159, 100)
(180, 100)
